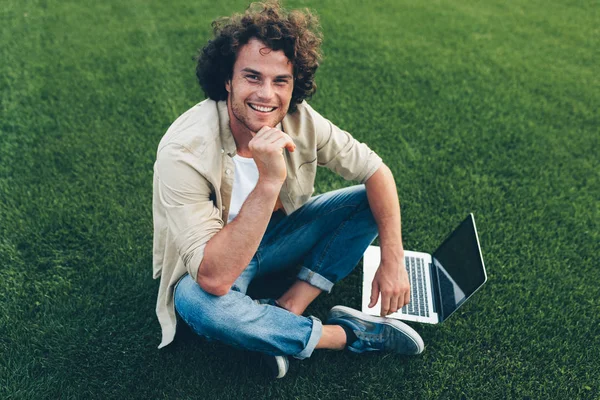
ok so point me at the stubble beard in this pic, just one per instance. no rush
(240, 113)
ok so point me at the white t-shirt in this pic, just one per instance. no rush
(244, 182)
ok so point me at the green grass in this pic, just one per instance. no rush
(486, 107)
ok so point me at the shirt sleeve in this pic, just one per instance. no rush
(185, 194)
(340, 152)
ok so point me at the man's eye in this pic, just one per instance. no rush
(252, 77)
(281, 82)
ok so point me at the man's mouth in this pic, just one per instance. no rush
(262, 109)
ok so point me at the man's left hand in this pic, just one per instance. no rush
(391, 280)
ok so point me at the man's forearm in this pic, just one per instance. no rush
(385, 206)
(391, 280)
(231, 250)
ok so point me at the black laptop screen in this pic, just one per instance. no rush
(459, 265)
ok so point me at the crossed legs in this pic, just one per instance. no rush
(327, 236)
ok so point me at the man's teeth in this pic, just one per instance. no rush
(262, 109)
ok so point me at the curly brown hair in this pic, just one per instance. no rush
(296, 33)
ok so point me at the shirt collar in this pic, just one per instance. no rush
(227, 140)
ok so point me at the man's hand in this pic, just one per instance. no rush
(267, 150)
(391, 280)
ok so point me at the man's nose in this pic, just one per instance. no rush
(266, 92)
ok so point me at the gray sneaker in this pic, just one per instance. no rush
(278, 365)
(376, 333)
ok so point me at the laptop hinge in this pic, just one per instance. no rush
(437, 306)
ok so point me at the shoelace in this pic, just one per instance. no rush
(370, 339)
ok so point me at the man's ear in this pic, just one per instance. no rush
(228, 85)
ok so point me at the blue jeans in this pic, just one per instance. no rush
(327, 236)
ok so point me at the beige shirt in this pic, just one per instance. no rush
(193, 178)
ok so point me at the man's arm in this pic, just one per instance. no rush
(391, 278)
(230, 251)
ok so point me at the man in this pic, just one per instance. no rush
(233, 183)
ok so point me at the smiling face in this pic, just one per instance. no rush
(260, 88)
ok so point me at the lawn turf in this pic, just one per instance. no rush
(485, 107)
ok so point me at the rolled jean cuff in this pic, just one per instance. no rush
(315, 336)
(315, 279)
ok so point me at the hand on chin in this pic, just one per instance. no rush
(256, 126)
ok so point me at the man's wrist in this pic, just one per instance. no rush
(269, 187)
(392, 256)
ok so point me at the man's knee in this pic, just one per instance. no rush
(207, 314)
(193, 303)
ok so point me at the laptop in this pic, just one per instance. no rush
(440, 282)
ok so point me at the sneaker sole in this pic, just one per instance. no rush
(283, 366)
(279, 365)
(340, 311)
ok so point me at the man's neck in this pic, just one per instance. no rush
(241, 134)
(242, 139)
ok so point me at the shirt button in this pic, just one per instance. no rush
(222, 151)
(227, 171)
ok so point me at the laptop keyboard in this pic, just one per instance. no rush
(419, 305)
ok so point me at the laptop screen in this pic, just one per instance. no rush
(459, 265)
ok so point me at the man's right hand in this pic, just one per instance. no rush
(267, 150)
